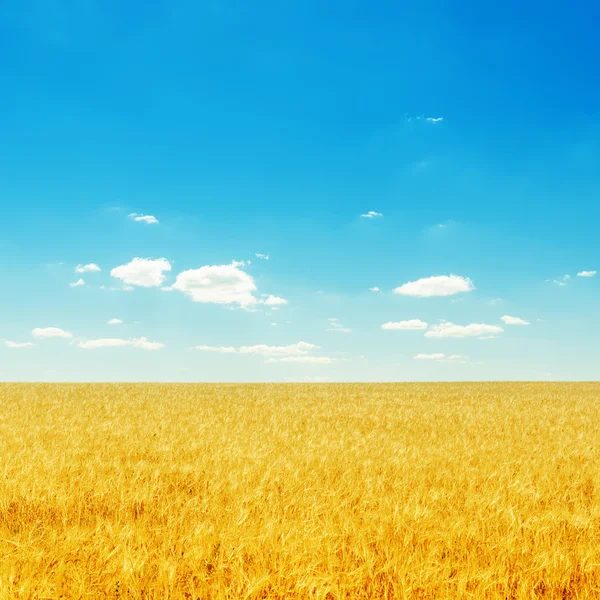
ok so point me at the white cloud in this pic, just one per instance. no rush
(220, 284)
(114, 322)
(439, 285)
(273, 324)
(87, 268)
(142, 343)
(274, 301)
(222, 349)
(495, 301)
(514, 320)
(434, 119)
(335, 325)
(456, 358)
(586, 273)
(371, 214)
(441, 357)
(317, 360)
(78, 283)
(10, 344)
(411, 325)
(297, 349)
(561, 281)
(262, 256)
(145, 272)
(446, 329)
(49, 332)
(374, 289)
(149, 219)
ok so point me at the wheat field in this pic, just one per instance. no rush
(324, 491)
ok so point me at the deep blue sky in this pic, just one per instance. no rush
(271, 127)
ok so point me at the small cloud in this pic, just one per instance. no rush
(561, 281)
(10, 344)
(50, 332)
(514, 320)
(372, 215)
(447, 329)
(262, 256)
(143, 272)
(273, 301)
(434, 119)
(586, 273)
(273, 324)
(221, 349)
(114, 322)
(317, 360)
(335, 325)
(148, 219)
(437, 356)
(495, 301)
(219, 284)
(374, 289)
(78, 283)
(142, 343)
(411, 325)
(90, 268)
(439, 285)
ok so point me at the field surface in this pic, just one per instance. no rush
(324, 491)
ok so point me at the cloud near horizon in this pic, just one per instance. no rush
(446, 329)
(411, 325)
(51, 332)
(142, 343)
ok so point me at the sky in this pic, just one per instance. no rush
(299, 191)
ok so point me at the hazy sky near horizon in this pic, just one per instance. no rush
(282, 191)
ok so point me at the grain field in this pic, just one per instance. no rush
(321, 491)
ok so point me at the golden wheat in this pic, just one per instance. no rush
(322, 491)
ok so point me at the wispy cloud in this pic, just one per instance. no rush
(411, 325)
(449, 330)
(586, 273)
(50, 332)
(10, 344)
(114, 322)
(78, 283)
(335, 325)
(434, 119)
(561, 281)
(374, 289)
(262, 256)
(148, 219)
(142, 343)
(294, 353)
(441, 357)
(438, 285)
(316, 360)
(371, 215)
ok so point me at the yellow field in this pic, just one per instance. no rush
(300, 491)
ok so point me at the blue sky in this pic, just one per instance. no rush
(270, 128)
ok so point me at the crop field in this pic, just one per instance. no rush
(324, 491)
